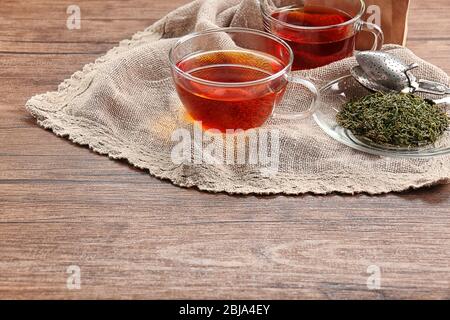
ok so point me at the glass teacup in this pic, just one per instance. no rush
(233, 78)
(319, 31)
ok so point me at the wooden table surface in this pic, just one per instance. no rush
(134, 236)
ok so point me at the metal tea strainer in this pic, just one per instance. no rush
(381, 71)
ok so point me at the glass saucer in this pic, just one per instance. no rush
(335, 94)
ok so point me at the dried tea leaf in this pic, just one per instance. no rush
(395, 119)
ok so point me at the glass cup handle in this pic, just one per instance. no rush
(376, 31)
(312, 108)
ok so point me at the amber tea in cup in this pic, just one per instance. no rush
(233, 78)
(319, 31)
(230, 107)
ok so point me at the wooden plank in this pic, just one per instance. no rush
(24, 47)
(283, 259)
(55, 31)
(101, 22)
(429, 20)
(90, 10)
(440, 48)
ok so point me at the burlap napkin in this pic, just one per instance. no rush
(125, 106)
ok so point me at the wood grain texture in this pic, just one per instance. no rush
(138, 237)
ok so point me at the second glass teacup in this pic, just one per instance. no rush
(319, 31)
(233, 78)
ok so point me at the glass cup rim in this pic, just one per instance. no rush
(193, 35)
(292, 26)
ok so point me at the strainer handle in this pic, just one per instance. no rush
(432, 87)
(376, 31)
(313, 106)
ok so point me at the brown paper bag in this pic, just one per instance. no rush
(393, 16)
